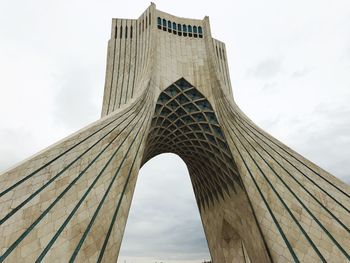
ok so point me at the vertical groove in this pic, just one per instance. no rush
(122, 83)
(135, 62)
(116, 82)
(130, 69)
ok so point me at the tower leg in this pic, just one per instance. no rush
(70, 202)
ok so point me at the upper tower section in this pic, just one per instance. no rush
(157, 49)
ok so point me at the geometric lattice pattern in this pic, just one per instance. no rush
(184, 123)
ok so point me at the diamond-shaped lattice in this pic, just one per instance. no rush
(184, 123)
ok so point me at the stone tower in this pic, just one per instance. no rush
(168, 89)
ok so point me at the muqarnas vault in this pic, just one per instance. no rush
(167, 89)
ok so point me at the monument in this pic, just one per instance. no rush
(167, 89)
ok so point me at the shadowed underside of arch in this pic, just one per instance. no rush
(184, 123)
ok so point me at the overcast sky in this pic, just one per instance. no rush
(290, 71)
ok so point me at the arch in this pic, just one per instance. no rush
(233, 244)
(184, 123)
(156, 195)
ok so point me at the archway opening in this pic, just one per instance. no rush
(164, 222)
(185, 123)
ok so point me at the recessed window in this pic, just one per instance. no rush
(121, 32)
(174, 27)
(190, 31)
(200, 31)
(126, 32)
(116, 31)
(164, 24)
(184, 29)
(179, 30)
(131, 32)
(169, 26)
(150, 18)
(159, 22)
(146, 21)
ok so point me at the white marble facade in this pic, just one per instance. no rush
(168, 89)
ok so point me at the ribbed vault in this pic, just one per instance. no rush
(184, 123)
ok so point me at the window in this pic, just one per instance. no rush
(164, 24)
(159, 23)
(190, 31)
(143, 25)
(131, 32)
(200, 31)
(116, 32)
(126, 32)
(169, 26)
(121, 32)
(150, 18)
(179, 29)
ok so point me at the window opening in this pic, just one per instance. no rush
(159, 22)
(184, 29)
(169, 26)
